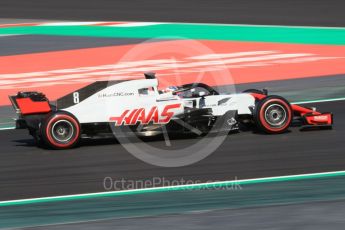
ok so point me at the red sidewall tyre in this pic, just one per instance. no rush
(261, 119)
(48, 126)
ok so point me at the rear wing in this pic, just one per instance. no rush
(14, 104)
(26, 103)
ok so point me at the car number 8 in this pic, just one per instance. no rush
(76, 97)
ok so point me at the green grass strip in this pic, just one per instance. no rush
(280, 34)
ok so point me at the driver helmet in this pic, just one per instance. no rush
(170, 89)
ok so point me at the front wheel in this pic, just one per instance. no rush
(61, 130)
(273, 114)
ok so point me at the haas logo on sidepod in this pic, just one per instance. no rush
(131, 117)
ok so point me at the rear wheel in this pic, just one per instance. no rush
(273, 114)
(61, 130)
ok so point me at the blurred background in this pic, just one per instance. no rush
(292, 48)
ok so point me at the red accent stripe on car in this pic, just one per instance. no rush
(258, 96)
(302, 110)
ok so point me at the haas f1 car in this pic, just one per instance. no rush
(98, 109)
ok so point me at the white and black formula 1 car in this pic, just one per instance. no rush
(98, 109)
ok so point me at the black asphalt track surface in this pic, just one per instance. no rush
(269, 12)
(26, 44)
(27, 171)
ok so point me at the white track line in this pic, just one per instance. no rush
(177, 187)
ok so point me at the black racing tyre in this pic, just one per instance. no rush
(60, 130)
(254, 91)
(273, 114)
